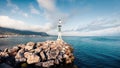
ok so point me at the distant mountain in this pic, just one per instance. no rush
(9, 31)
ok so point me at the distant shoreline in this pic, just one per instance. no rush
(6, 36)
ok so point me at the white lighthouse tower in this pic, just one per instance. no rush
(59, 30)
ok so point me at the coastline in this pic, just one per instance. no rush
(6, 36)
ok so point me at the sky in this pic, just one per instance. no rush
(79, 17)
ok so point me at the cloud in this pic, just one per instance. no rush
(100, 24)
(52, 13)
(8, 22)
(48, 5)
(25, 14)
(34, 10)
(113, 31)
(16, 9)
(104, 26)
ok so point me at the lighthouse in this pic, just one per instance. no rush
(59, 30)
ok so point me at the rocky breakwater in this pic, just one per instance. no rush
(48, 54)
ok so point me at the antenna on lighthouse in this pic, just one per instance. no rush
(59, 30)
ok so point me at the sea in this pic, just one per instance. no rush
(89, 51)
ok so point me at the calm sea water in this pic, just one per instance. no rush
(90, 52)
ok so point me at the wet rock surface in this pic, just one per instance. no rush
(48, 54)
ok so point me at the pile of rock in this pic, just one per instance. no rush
(43, 54)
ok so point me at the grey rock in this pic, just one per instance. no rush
(51, 62)
(6, 50)
(68, 60)
(53, 46)
(29, 45)
(42, 56)
(39, 64)
(39, 44)
(20, 56)
(45, 46)
(32, 58)
(4, 54)
(20, 59)
(15, 48)
(22, 46)
(27, 54)
(48, 55)
(45, 64)
(56, 61)
(60, 58)
(12, 52)
(38, 50)
(53, 53)
(32, 51)
(48, 63)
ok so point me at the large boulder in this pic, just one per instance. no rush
(29, 45)
(39, 44)
(56, 61)
(31, 58)
(45, 46)
(42, 54)
(6, 50)
(15, 48)
(21, 46)
(20, 56)
(48, 63)
(4, 54)
(53, 53)
(20, 53)
(38, 50)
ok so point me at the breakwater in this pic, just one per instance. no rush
(48, 54)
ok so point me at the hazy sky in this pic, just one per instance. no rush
(80, 17)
